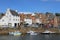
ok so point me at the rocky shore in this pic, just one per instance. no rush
(26, 29)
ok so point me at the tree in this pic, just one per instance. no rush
(57, 14)
(49, 13)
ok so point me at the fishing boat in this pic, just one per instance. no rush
(32, 33)
(16, 33)
(47, 31)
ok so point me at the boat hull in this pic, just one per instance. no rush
(15, 33)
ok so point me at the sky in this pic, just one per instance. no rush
(31, 5)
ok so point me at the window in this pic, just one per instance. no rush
(18, 19)
(14, 19)
(2, 20)
(10, 19)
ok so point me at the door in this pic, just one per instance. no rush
(15, 24)
(9, 24)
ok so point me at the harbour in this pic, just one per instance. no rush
(32, 37)
(25, 30)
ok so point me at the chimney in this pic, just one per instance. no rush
(8, 9)
(16, 10)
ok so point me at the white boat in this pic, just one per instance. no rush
(48, 31)
(32, 33)
(16, 33)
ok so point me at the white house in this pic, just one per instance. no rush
(29, 21)
(38, 21)
(9, 19)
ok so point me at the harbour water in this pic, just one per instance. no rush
(31, 37)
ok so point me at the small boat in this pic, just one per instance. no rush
(48, 31)
(32, 33)
(16, 33)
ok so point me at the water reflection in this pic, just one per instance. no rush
(32, 37)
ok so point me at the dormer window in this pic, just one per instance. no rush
(2, 20)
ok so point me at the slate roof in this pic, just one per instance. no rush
(1, 15)
(14, 13)
(51, 16)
